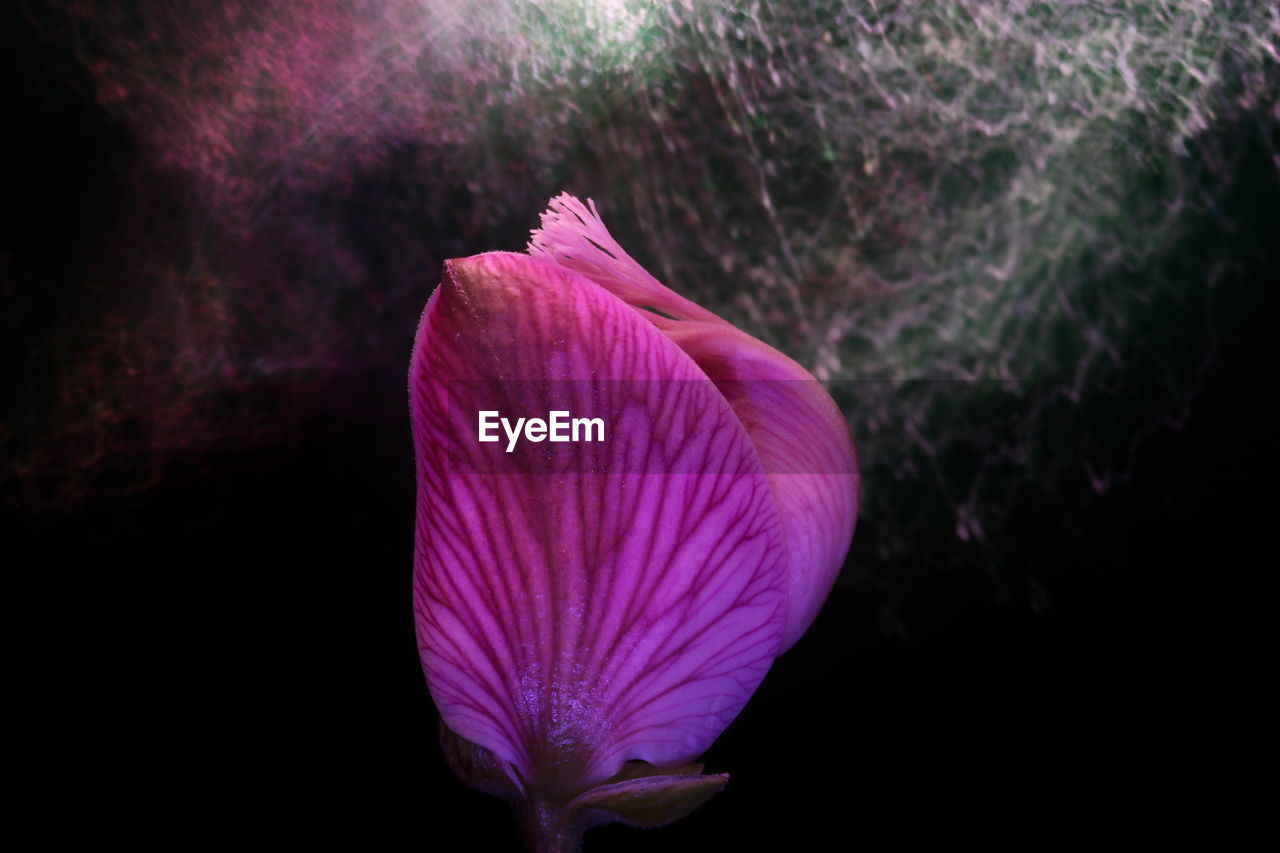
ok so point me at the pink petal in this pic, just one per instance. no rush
(573, 610)
(805, 448)
(801, 436)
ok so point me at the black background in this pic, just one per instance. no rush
(229, 653)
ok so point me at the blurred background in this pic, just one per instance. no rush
(1032, 249)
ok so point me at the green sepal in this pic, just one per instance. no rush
(648, 800)
(640, 769)
(640, 794)
(478, 767)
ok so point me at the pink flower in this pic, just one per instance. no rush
(584, 604)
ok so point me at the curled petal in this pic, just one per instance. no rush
(581, 605)
(797, 429)
(573, 236)
(805, 449)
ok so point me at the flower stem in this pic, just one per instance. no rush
(546, 831)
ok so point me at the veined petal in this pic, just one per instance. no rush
(795, 426)
(575, 609)
(805, 449)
